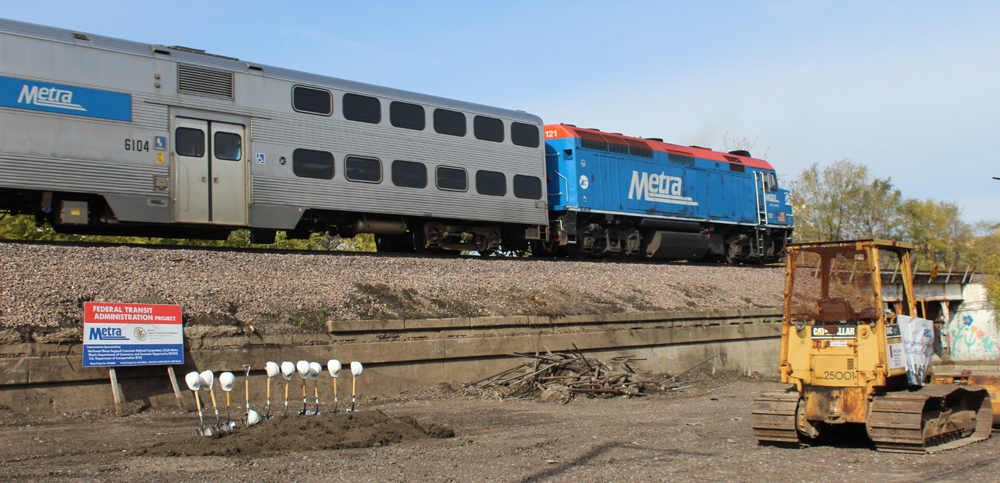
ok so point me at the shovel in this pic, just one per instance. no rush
(227, 380)
(314, 371)
(272, 370)
(193, 380)
(287, 369)
(333, 365)
(208, 379)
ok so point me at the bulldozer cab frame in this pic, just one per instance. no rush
(837, 332)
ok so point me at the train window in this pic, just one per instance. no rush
(770, 182)
(524, 135)
(449, 122)
(365, 170)
(228, 146)
(362, 108)
(452, 179)
(488, 129)
(739, 168)
(407, 116)
(528, 187)
(307, 163)
(314, 101)
(189, 142)
(491, 183)
(409, 174)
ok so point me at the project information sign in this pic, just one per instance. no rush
(132, 335)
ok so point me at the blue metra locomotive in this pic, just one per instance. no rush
(617, 195)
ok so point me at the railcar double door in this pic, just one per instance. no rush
(209, 172)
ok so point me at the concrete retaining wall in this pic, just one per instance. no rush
(400, 354)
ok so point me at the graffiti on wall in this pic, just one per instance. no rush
(973, 328)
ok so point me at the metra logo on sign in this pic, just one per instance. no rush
(106, 333)
(658, 188)
(48, 96)
(78, 101)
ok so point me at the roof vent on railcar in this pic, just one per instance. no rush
(741, 152)
(205, 82)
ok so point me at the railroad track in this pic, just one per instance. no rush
(444, 256)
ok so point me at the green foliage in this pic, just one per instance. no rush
(843, 201)
(23, 227)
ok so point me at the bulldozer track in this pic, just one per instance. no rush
(773, 418)
(897, 420)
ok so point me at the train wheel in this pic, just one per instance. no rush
(733, 253)
(420, 243)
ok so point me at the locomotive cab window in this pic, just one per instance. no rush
(528, 187)
(407, 116)
(491, 183)
(488, 128)
(452, 179)
(449, 122)
(772, 182)
(362, 108)
(409, 174)
(189, 142)
(524, 135)
(307, 163)
(228, 146)
(365, 170)
(313, 101)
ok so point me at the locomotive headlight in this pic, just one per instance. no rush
(800, 324)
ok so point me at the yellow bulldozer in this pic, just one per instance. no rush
(841, 347)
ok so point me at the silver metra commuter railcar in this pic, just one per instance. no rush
(105, 136)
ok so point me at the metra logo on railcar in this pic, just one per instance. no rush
(106, 333)
(48, 97)
(658, 188)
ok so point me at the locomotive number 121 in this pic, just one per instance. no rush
(136, 145)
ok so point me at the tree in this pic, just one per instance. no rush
(844, 201)
(938, 231)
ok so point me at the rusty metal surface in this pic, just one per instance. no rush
(990, 380)
(903, 422)
(832, 283)
(836, 405)
(773, 418)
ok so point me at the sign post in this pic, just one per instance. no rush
(117, 335)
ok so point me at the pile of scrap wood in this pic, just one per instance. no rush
(559, 376)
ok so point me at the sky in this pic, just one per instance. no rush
(910, 89)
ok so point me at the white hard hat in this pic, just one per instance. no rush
(314, 370)
(333, 365)
(287, 369)
(303, 368)
(253, 417)
(356, 368)
(193, 380)
(272, 369)
(227, 380)
(207, 379)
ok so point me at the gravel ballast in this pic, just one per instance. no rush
(45, 286)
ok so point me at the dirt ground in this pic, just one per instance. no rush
(701, 433)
